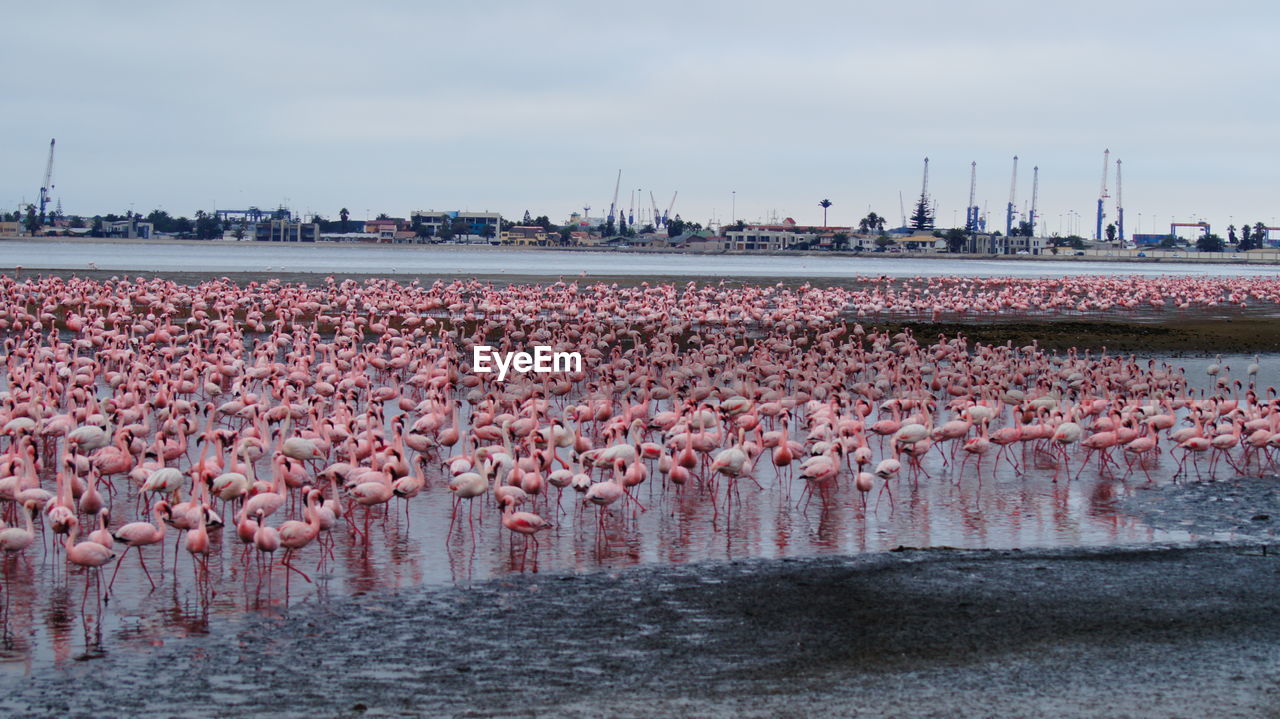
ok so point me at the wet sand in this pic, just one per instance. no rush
(1161, 632)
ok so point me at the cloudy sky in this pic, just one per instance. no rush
(509, 106)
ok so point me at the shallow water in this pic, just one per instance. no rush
(466, 261)
(959, 505)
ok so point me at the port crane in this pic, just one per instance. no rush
(666, 216)
(1035, 195)
(1102, 197)
(1119, 204)
(971, 213)
(47, 186)
(1013, 189)
(613, 206)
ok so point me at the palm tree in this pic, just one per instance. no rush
(871, 223)
(343, 214)
(824, 205)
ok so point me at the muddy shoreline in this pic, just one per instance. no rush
(1156, 631)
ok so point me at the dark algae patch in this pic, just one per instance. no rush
(1166, 337)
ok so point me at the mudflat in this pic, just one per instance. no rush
(1151, 632)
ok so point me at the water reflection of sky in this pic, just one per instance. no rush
(418, 260)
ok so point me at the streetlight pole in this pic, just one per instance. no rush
(733, 212)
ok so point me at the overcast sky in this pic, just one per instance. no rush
(513, 106)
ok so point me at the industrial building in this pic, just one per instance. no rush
(286, 231)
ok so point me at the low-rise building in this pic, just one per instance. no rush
(384, 229)
(1018, 245)
(472, 223)
(758, 238)
(130, 229)
(921, 243)
(525, 235)
(12, 229)
(982, 243)
(286, 231)
(863, 243)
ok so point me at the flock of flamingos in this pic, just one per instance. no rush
(270, 420)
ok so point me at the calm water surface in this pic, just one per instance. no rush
(465, 261)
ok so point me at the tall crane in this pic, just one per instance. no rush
(1119, 204)
(1035, 195)
(971, 214)
(1013, 190)
(924, 213)
(613, 206)
(666, 216)
(47, 186)
(1106, 165)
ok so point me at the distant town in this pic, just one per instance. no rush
(638, 227)
(872, 234)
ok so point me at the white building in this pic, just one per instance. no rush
(761, 239)
(128, 229)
